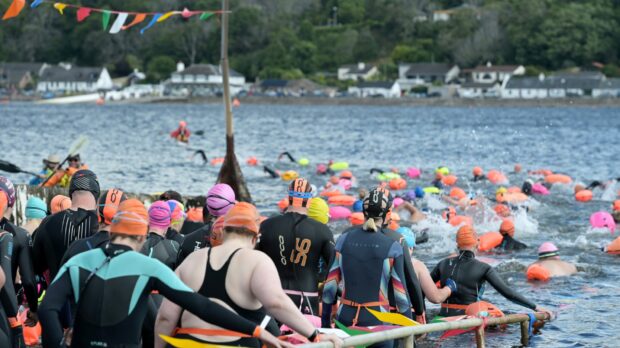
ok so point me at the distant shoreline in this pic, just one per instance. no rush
(452, 102)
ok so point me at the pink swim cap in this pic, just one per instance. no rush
(220, 199)
(159, 214)
(547, 249)
(177, 211)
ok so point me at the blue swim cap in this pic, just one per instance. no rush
(419, 192)
(358, 206)
(36, 208)
(408, 234)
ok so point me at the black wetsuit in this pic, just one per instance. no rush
(8, 299)
(190, 226)
(366, 262)
(22, 258)
(174, 235)
(196, 240)
(114, 284)
(509, 244)
(166, 251)
(53, 237)
(413, 284)
(214, 287)
(97, 240)
(479, 177)
(438, 184)
(471, 275)
(297, 244)
(526, 188)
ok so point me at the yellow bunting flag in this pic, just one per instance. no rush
(186, 343)
(60, 7)
(16, 7)
(393, 318)
(166, 16)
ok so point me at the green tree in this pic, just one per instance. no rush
(350, 11)
(366, 47)
(160, 68)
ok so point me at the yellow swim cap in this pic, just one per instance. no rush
(303, 162)
(443, 170)
(318, 210)
(501, 190)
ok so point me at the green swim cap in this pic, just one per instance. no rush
(36, 208)
(303, 162)
(443, 170)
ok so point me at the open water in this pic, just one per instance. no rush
(130, 148)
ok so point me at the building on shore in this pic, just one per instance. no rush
(357, 72)
(20, 76)
(202, 80)
(376, 89)
(292, 88)
(561, 85)
(490, 73)
(68, 79)
(416, 74)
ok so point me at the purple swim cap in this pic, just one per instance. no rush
(7, 186)
(220, 199)
(159, 214)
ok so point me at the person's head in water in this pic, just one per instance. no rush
(242, 222)
(376, 207)
(299, 192)
(548, 251)
(130, 224)
(507, 228)
(616, 216)
(467, 238)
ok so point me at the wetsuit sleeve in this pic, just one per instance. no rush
(26, 270)
(496, 282)
(38, 249)
(413, 284)
(328, 253)
(436, 274)
(8, 299)
(176, 291)
(330, 290)
(397, 274)
(56, 296)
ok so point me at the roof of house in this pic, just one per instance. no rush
(613, 83)
(597, 75)
(33, 68)
(207, 69)
(355, 68)
(555, 82)
(376, 84)
(428, 69)
(471, 84)
(75, 74)
(493, 68)
(13, 76)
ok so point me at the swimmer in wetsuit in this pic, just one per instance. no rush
(507, 230)
(366, 263)
(296, 243)
(470, 276)
(111, 288)
(244, 279)
(478, 174)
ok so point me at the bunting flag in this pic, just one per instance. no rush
(82, 13)
(186, 343)
(393, 318)
(16, 7)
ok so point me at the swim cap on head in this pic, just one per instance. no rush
(84, 180)
(321, 169)
(502, 210)
(35, 208)
(318, 210)
(358, 206)
(195, 214)
(356, 219)
(408, 235)
(177, 212)
(419, 192)
(60, 203)
(160, 214)
(299, 191)
(547, 249)
(7, 186)
(377, 203)
(616, 206)
(220, 199)
(517, 168)
(4, 203)
(501, 190)
(243, 215)
(457, 193)
(334, 180)
(108, 204)
(507, 228)
(442, 171)
(131, 219)
(346, 175)
(170, 194)
(466, 237)
(182, 124)
(579, 188)
(477, 171)
(216, 237)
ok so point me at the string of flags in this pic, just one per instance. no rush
(120, 22)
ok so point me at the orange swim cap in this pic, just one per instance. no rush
(457, 193)
(502, 210)
(243, 215)
(466, 237)
(108, 205)
(334, 180)
(4, 202)
(507, 228)
(131, 219)
(477, 171)
(346, 175)
(518, 168)
(299, 192)
(60, 203)
(579, 188)
(448, 213)
(216, 238)
(195, 214)
(356, 219)
(617, 205)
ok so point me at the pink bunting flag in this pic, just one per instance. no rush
(16, 7)
(83, 13)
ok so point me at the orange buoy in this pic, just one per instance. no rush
(613, 247)
(217, 161)
(496, 177)
(356, 219)
(252, 161)
(543, 172)
(512, 198)
(477, 308)
(457, 220)
(100, 101)
(558, 179)
(457, 193)
(616, 206)
(330, 193)
(538, 272)
(449, 180)
(583, 196)
(236, 103)
(514, 189)
(489, 241)
(398, 184)
(341, 199)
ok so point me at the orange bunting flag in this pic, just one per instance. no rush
(166, 16)
(140, 17)
(60, 7)
(16, 7)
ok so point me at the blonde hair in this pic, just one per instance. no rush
(371, 224)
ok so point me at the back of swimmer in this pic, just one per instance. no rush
(551, 264)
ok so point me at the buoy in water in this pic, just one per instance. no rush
(236, 103)
(583, 196)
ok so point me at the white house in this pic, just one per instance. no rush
(385, 89)
(415, 74)
(68, 79)
(560, 86)
(494, 73)
(357, 72)
(609, 88)
(446, 15)
(479, 90)
(204, 80)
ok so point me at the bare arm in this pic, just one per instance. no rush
(265, 285)
(431, 291)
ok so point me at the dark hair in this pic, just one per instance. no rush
(240, 231)
(114, 236)
(169, 195)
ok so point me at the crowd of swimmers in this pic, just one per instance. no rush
(100, 269)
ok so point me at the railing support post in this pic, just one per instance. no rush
(480, 337)
(525, 333)
(407, 342)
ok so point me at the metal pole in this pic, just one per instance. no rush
(480, 337)
(224, 67)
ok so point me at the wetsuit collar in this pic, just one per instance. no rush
(466, 254)
(114, 250)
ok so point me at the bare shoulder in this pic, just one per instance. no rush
(192, 260)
